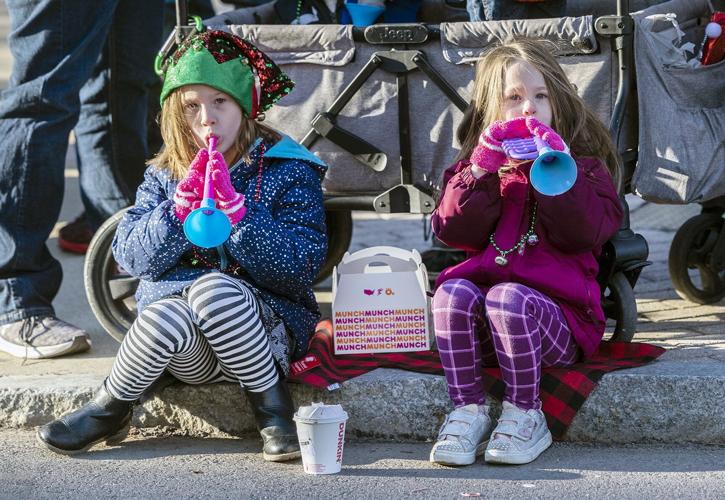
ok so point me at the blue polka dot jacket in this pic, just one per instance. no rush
(278, 247)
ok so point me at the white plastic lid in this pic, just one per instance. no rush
(320, 413)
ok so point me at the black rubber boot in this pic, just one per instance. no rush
(103, 419)
(273, 411)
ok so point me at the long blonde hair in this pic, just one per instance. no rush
(180, 147)
(580, 128)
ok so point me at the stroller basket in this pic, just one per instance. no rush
(681, 110)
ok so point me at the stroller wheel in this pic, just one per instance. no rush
(696, 271)
(110, 290)
(619, 304)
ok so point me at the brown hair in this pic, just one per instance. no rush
(180, 147)
(572, 119)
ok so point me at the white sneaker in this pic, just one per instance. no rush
(519, 437)
(463, 436)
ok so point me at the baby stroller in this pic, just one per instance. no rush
(381, 104)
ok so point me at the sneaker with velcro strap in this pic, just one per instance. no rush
(519, 437)
(463, 436)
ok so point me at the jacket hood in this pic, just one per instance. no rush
(290, 149)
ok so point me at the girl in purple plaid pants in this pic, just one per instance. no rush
(527, 295)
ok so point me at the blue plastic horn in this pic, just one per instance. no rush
(553, 172)
(207, 226)
(363, 15)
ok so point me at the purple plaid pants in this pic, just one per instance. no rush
(513, 326)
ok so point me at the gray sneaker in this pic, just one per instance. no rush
(40, 337)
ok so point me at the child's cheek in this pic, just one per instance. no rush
(224, 148)
(512, 112)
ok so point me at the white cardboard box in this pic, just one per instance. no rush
(379, 302)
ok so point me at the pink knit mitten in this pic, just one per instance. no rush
(191, 188)
(488, 153)
(227, 199)
(546, 134)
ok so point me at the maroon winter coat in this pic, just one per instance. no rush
(571, 227)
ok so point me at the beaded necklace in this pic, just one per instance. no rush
(298, 12)
(197, 258)
(528, 237)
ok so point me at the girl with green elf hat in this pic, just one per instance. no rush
(239, 312)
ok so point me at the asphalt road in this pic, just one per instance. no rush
(177, 467)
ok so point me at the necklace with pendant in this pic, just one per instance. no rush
(529, 237)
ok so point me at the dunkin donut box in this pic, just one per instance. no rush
(380, 302)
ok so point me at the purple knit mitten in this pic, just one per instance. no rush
(190, 190)
(546, 134)
(488, 153)
(227, 199)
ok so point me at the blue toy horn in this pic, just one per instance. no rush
(553, 172)
(207, 226)
(363, 15)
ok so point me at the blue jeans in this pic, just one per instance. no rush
(494, 10)
(56, 48)
(111, 134)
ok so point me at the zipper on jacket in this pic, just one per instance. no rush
(223, 260)
(249, 152)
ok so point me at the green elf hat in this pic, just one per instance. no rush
(230, 64)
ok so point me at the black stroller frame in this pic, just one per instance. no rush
(111, 295)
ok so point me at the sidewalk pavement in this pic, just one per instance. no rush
(676, 398)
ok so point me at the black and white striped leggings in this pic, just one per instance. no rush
(214, 335)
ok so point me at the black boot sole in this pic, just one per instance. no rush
(113, 440)
(282, 457)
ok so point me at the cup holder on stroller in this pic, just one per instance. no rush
(111, 290)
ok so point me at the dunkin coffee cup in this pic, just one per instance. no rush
(321, 431)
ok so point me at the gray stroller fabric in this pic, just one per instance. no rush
(323, 59)
(681, 110)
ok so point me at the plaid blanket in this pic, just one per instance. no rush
(563, 390)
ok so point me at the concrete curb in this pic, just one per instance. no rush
(654, 403)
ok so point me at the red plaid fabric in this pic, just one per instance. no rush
(563, 390)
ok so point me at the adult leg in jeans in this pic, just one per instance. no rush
(475, 10)
(112, 129)
(492, 10)
(55, 46)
